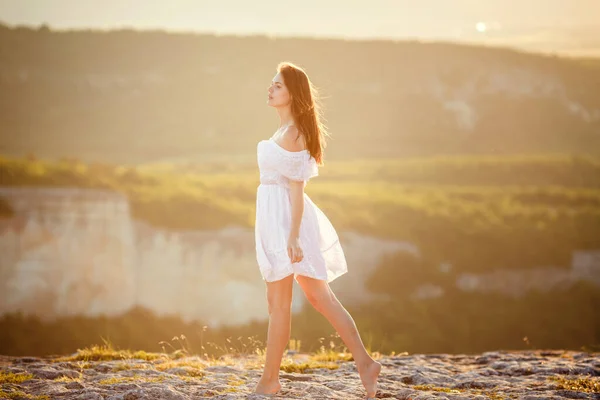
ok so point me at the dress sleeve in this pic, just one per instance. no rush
(298, 167)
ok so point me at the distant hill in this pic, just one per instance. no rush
(134, 97)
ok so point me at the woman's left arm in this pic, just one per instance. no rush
(297, 204)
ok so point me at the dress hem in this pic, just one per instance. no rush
(328, 280)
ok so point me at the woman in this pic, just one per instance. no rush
(294, 238)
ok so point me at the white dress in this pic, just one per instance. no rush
(323, 255)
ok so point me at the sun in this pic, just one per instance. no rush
(481, 27)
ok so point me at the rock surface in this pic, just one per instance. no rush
(535, 374)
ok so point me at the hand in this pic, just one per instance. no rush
(294, 250)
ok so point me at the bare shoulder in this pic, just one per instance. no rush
(292, 140)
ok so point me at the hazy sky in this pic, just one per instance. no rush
(542, 25)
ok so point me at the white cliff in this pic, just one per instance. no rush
(78, 251)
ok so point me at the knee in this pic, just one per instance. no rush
(279, 306)
(322, 302)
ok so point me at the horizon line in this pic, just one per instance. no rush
(594, 54)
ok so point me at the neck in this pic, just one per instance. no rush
(285, 117)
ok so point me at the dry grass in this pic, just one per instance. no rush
(67, 379)
(135, 378)
(431, 387)
(8, 380)
(10, 377)
(107, 353)
(20, 395)
(586, 384)
(248, 352)
(289, 365)
(334, 352)
(193, 370)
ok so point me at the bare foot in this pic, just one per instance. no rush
(267, 387)
(368, 376)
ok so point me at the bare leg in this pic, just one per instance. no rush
(279, 299)
(319, 294)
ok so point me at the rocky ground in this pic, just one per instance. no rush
(535, 374)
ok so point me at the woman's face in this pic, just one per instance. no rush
(278, 95)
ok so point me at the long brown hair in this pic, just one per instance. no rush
(306, 109)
